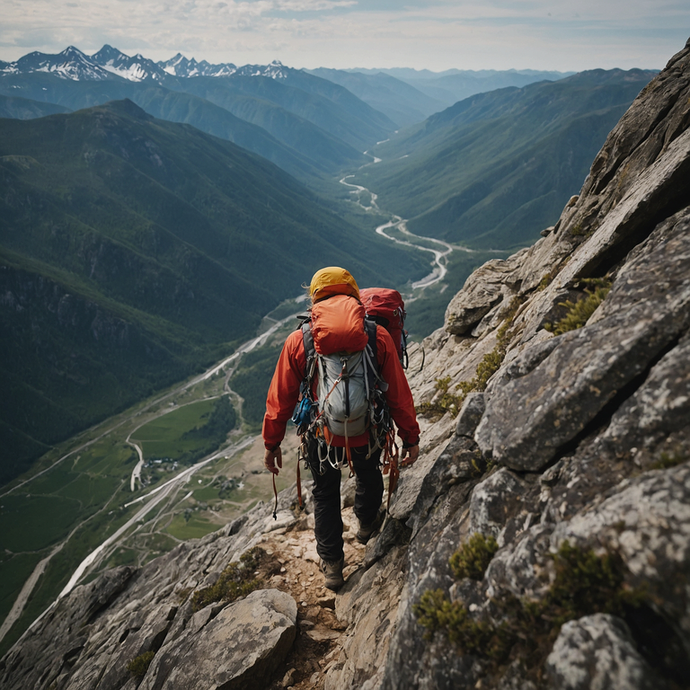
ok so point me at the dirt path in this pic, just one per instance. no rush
(316, 646)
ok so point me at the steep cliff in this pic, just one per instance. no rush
(542, 540)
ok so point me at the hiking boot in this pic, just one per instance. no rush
(365, 532)
(333, 570)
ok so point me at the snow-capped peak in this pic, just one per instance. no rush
(109, 63)
(180, 66)
(137, 68)
(71, 63)
(275, 70)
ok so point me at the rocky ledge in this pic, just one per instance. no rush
(542, 540)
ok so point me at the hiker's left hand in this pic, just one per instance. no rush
(409, 455)
(273, 460)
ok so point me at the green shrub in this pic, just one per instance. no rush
(586, 583)
(435, 612)
(140, 664)
(234, 582)
(473, 558)
(578, 312)
(668, 460)
(445, 402)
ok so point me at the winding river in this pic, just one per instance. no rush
(440, 250)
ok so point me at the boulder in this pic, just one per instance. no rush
(238, 649)
(483, 290)
(598, 652)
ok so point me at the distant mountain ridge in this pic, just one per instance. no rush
(453, 85)
(311, 127)
(73, 64)
(404, 96)
(494, 169)
(400, 101)
(180, 66)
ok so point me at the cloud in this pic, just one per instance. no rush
(436, 34)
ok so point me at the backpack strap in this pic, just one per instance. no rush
(303, 415)
(373, 375)
(310, 354)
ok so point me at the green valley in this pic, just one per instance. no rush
(495, 169)
(135, 251)
(90, 489)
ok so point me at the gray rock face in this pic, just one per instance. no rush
(598, 652)
(530, 417)
(470, 415)
(240, 648)
(484, 289)
(370, 623)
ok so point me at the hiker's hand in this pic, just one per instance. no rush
(409, 455)
(273, 460)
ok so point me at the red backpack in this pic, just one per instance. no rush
(387, 308)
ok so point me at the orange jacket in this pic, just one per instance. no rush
(283, 393)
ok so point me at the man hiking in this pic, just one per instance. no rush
(336, 430)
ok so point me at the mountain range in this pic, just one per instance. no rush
(309, 126)
(409, 96)
(138, 246)
(110, 62)
(403, 96)
(135, 250)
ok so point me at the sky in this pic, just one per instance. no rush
(564, 35)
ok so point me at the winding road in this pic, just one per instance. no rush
(155, 496)
(149, 500)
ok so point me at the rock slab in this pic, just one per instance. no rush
(238, 649)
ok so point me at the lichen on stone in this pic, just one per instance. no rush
(234, 582)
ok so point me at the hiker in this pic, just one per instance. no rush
(338, 325)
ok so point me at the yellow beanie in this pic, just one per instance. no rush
(332, 281)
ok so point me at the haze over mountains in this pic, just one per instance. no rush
(496, 167)
(135, 249)
(132, 250)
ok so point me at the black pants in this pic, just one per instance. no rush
(328, 527)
